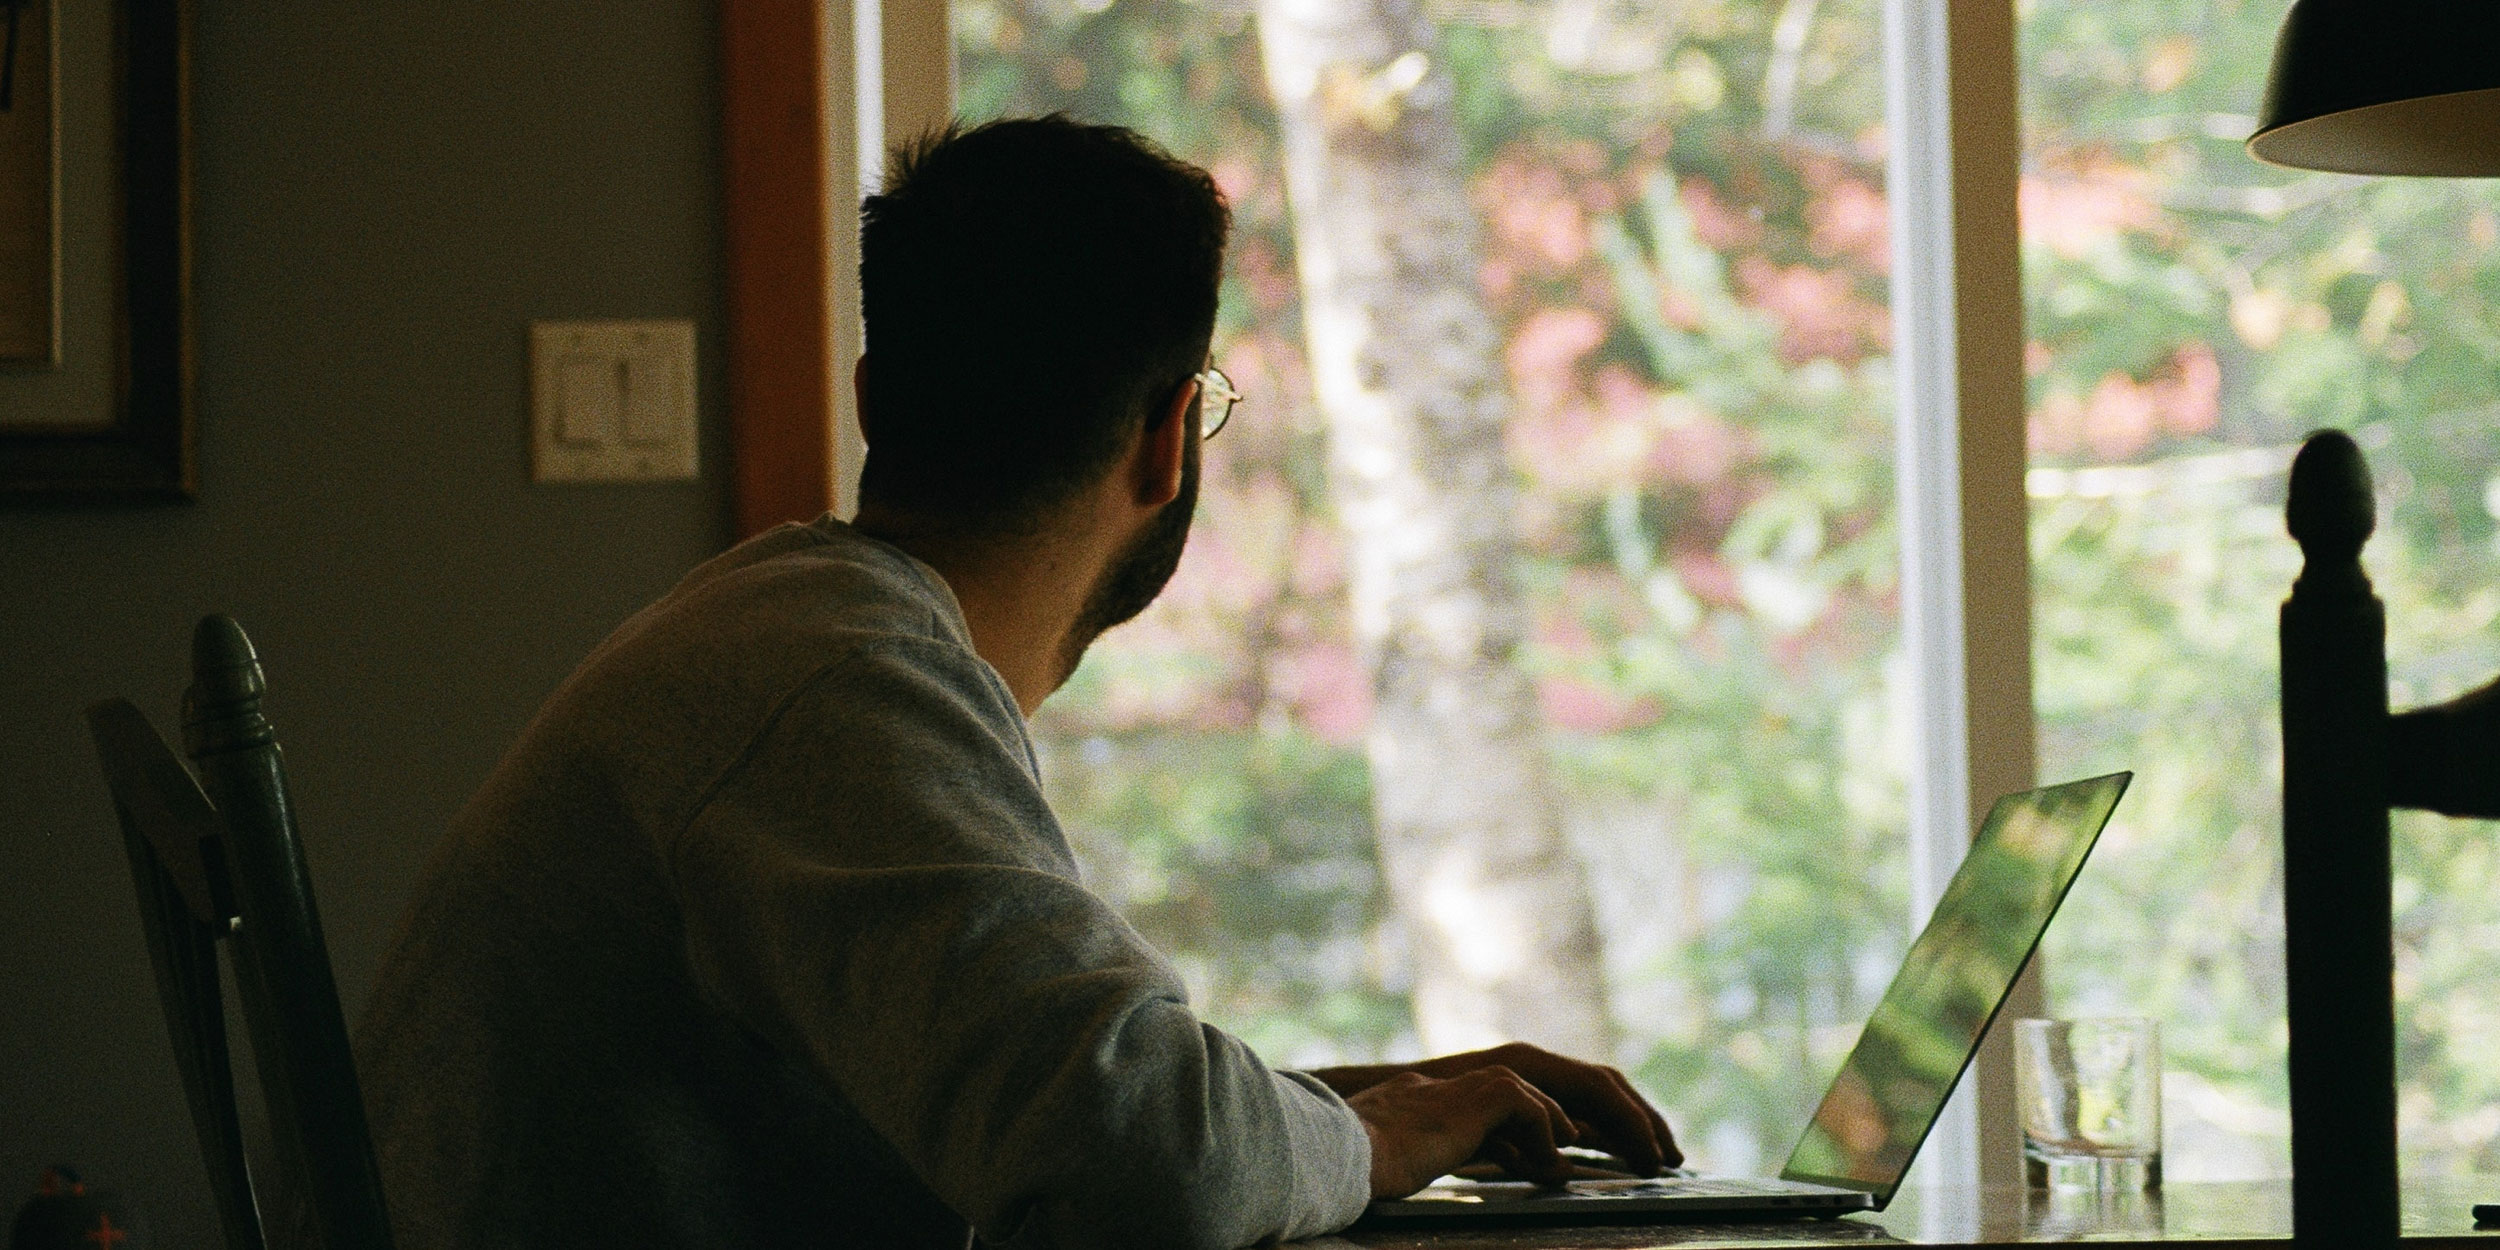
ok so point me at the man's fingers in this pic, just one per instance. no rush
(1640, 1127)
(1622, 1120)
(1515, 1107)
(1526, 1128)
(1668, 1153)
(1619, 1118)
(1565, 1130)
(1626, 1123)
(1507, 1093)
(1599, 1101)
(1601, 1097)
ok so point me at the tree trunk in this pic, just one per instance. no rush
(1406, 361)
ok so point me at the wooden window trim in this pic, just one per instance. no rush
(788, 270)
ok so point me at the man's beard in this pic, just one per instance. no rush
(1139, 572)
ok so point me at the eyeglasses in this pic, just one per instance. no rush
(1216, 398)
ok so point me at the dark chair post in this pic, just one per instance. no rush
(282, 966)
(2338, 938)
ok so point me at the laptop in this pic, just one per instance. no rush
(1912, 1052)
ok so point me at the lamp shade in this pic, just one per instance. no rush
(2385, 87)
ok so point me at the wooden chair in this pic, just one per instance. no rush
(216, 860)
(2346, 762)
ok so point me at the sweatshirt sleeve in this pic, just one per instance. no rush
(878, 889)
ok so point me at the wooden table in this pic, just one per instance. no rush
(2213, 1216)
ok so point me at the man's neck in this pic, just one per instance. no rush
(1020, 596)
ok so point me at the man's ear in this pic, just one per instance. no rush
(1155, 470)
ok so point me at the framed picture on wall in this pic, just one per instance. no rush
(30, 205)
(95, 251)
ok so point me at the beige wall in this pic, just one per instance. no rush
(386, 195)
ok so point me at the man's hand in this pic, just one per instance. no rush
(1421, 1128)
(1600, 1108)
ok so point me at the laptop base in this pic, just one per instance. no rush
(1666, 1199)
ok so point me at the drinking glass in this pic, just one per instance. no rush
(2090, 1092)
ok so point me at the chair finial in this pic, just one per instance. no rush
(221, 710)
(2332, 509)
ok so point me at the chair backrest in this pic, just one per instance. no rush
(217, 859)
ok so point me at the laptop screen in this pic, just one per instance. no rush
(1958, 972)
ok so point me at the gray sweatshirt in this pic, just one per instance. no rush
(763, 935)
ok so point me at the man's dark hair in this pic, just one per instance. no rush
(1032, 289)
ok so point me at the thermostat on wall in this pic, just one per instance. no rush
(612, 401)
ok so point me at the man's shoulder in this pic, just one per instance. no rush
(822, 578)
(743, 634)
(781, 606)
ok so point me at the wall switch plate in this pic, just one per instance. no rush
(612, 401)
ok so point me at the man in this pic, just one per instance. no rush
(764, 935)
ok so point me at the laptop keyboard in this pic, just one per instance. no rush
(1695, 1186)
